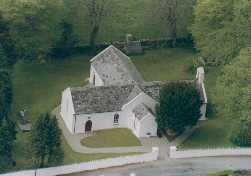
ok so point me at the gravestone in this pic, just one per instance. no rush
(132, 46)
(24, 124)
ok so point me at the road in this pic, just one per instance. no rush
(181, 167)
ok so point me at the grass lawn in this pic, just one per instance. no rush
(120, 137)
(224, 173)
(215, 131)
(38, 86)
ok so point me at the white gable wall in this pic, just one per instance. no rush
(98, 80)
(132, 122)
(67, 110)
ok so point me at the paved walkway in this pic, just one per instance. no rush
(74, 142)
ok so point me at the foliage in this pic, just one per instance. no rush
(33, 25)
(7, 49)
(221, 28)
(5, 94)
(7, 138)
(179, 107)
(233, 88)
(46, 140)
(64, 47)
(241, 133)
(175, 14)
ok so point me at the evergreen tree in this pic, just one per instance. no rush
(7, 138)
(179, 107)
(46, 140)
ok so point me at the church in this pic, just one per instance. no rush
(117, 96)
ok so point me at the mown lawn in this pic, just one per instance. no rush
(215, 131)
(38, 86)
(120, 137)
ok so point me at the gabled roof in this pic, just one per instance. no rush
(115, 68)
(90, 99)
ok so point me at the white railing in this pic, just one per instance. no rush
(92, 165)
(218, 152)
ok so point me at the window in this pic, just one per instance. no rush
(116, 118)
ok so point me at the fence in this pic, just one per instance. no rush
(92, 165)
(196, 153)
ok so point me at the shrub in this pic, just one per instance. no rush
(241, 133)
(179, 107)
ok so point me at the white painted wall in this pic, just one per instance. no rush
(197, 153)
(98, 80)
(67, 110)
(100, 121)
(92, 165)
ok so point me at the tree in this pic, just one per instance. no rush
(174, 13)
(46, 140)
(179, 107)
(241, 133)
(5, 94)
(7, 138)
(34, 25)
(233, 87)
(97, 10)
(64, 47)
(7, 49)
(221, 28)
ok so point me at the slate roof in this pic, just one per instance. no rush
(115, 68)
(87, 100)
(90, 99)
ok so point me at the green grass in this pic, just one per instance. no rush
(224, 173)
(38, 86)
(120, 137)
(166, 64)
(215, 131)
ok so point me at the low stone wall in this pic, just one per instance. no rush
(198, 153)
(92, 165)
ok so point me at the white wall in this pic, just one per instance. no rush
(98, 80)
(67, 110)
(148, 125)
(197, 153)
(100, 121)
(92, 165)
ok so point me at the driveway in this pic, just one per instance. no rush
(184, 167)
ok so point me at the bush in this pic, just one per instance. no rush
(241, 133)
(179, 107)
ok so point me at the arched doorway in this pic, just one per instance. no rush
(88, 126)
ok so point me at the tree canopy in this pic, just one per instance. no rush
(233, 87)
(179, 106)
(221, 28)
(33, 24)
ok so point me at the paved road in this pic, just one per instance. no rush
(184, 167)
